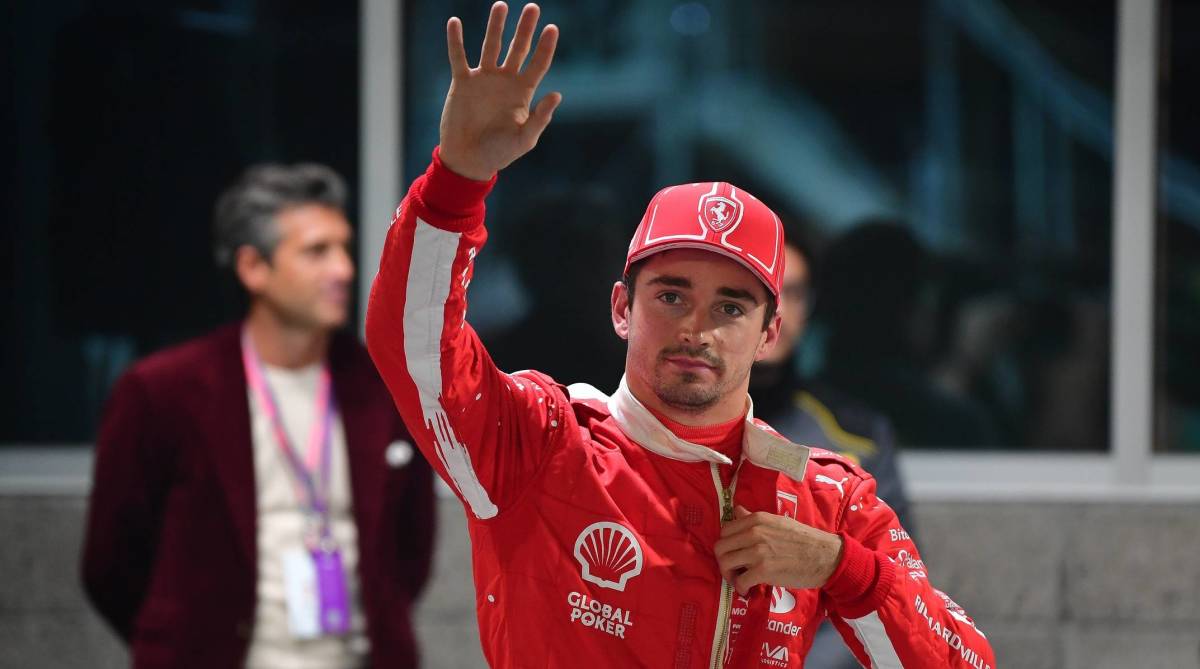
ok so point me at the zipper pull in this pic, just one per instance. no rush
(726, 504)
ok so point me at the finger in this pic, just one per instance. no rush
(748, 579)
(745, 519)
(730, 575)
(540, 118)
(738, 560)
(542, 56)
(734, 542)
(491, 38)
(740, 523)
(454, 48)
(518, 48)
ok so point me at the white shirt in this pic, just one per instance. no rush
(281, 524)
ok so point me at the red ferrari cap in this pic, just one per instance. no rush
(713, 216)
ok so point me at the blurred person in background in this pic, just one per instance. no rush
(812, 413)
(877, 305)
(255, 499)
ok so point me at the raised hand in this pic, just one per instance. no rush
(487, 122)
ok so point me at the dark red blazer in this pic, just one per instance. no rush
(170, 555)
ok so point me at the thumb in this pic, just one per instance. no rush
(739, 512)
(540, 118)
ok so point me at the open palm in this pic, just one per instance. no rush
(487, 122)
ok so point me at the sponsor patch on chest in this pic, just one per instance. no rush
(598, 615)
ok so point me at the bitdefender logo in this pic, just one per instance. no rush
(609, 555)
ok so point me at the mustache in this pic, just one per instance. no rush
(696, 353)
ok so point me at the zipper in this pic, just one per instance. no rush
(721, 636)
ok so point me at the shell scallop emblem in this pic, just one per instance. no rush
(609, 555)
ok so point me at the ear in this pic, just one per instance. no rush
(620, 310)
(770, 337)
(252, 269)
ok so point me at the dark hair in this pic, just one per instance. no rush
(245, 212)
(630, 279)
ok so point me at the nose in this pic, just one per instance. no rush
(342, 264)
(693, 329)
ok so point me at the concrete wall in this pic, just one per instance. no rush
(1053, 585)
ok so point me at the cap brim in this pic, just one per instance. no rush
(702, 246)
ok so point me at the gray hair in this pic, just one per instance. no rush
(245, 212)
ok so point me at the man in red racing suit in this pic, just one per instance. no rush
(662, 526)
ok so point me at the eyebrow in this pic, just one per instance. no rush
(668, 280)
(325, 239)
(684, 282)
(738, 294)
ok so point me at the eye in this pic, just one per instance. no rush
(670, 298)
(731, 309)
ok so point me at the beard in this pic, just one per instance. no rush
(686, 390)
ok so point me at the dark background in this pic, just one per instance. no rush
(984, 128)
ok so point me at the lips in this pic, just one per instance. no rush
(338, 295)
(690, 363)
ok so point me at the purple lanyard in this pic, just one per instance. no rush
(318, 441)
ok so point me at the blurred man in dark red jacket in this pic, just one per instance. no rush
(256, 500)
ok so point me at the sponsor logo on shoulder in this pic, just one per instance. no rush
(914, 565)
(821, 478)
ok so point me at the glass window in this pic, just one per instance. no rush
(1178, 322)
(129, 118)
(951, 160)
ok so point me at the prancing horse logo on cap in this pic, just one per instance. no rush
(718, 212)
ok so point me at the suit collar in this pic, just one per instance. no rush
(760, 445)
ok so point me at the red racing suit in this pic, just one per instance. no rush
(592, 525)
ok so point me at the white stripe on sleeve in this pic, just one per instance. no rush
(869, 630)
(429, 276)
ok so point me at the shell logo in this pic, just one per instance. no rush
(609, 555)
(782, 601)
